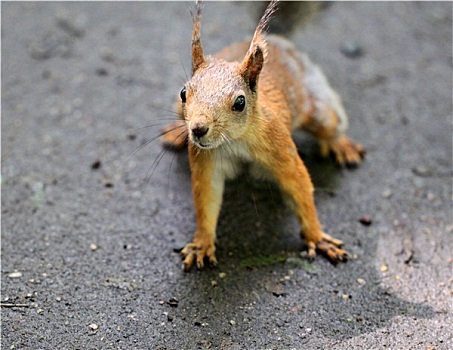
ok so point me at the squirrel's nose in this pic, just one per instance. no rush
(199, 130)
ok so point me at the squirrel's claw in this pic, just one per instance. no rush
(345, 151)
(196, 253)
(329, 247)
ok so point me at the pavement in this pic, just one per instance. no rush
(91, 229)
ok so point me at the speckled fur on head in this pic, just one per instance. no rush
(210, 95)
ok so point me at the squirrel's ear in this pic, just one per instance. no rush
(252, 65)
(197, 48)
(256, 55)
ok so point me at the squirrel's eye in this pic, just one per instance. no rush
(239, 104)
(183, 95)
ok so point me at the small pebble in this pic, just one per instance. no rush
(366, 220)
(387, 193)
(351, 49)
(73, 26)
(15, 274)
(102, 72)
(131, 135)
(421, 171)
(275, 288)
(384, 268)
(222, 274)
(93, 247)
(173, 302)
(94, 326)
(430, 196)
(361, 281)
(107, 54)
(214, 283)
(96, 165)
(232, 322)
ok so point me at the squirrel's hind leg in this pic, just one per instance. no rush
(328, 125)
(326, 118)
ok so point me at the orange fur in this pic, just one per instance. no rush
(281, 91)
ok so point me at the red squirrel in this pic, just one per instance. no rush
(240, 107)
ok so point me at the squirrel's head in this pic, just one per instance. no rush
(220, 99)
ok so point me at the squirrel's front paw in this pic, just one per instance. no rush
(345, 151)
(174, 136)
(329, 247)
(197, 251)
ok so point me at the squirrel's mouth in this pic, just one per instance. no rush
(205, 145)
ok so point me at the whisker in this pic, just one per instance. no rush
(152, 168)
(272, 193)
(182, 82)
(240, 145)
(173, 158)
(164, 109)
(152, 140)
(169, 170)
(254, 204)
(154, 165)
(184, 68)
(157, 123)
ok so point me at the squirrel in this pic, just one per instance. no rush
(240, 107)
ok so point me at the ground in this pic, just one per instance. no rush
(91, 229)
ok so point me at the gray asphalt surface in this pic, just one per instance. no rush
(88, 248)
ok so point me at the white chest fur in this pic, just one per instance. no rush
(230, 158)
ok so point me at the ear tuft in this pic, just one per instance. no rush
(197, 47)
(254, 59)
